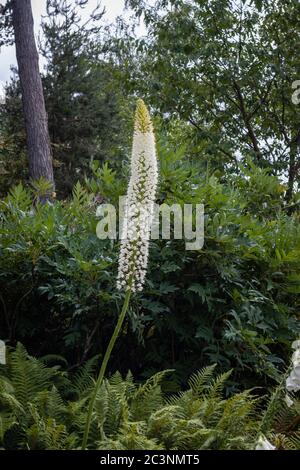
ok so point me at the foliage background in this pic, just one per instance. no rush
(234, 303)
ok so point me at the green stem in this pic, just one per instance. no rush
(103, 367)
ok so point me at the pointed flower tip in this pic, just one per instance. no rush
(143, 121)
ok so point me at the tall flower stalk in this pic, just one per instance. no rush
(133, 258)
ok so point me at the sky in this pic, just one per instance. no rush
(7, 54)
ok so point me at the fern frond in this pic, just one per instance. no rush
(27, 375)
(199, 381)
(215, 389)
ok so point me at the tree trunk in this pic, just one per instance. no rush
(36, 122)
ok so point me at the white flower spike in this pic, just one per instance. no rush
(133, 258)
